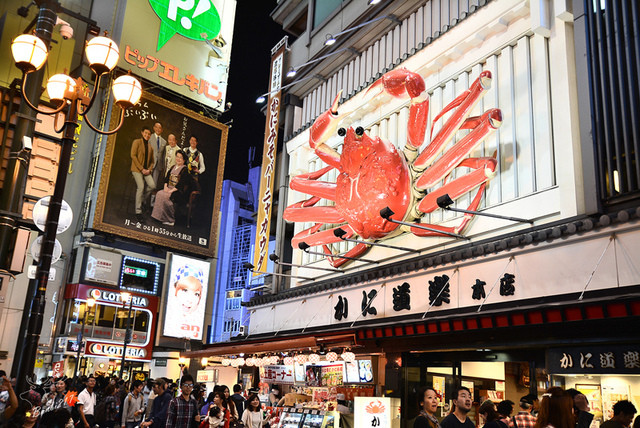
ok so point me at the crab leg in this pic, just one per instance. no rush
(307, 183)
(463, 104)
(322, 129)
(489, 121)
(314, 238)
(299, 212)
(453, 229)
(416, 128)
(397, 83)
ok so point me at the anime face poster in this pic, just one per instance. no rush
(186, 298)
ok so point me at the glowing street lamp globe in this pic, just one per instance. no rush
(102, 53)
(127, 91)
(29, 52)
(58, 85)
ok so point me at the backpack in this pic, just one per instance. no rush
(100, 412)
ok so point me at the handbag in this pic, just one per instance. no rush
(234, 423)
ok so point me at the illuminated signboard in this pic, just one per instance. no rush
(186, 297)
(140, 275)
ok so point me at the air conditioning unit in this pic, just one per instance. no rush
(242, 330)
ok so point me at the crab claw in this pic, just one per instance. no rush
(398, 82)
(326, 124)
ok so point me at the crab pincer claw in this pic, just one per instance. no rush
(326, 124)
(398, 83)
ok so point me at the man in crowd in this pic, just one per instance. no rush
(86, 404)
(142, 165)
(623, 412)
(581, 408)
(183, 410)
(160, 405)
(238, 399)
(505, 408)
(133, 407)
(524, 418)
(462, 405)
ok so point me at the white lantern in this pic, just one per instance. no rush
(58, 85)
(126, 91)
(265, 361)
(226, 362)
(331, 357)
(29, 52)
(348, 356)
(288, 361)
(314, 358)
(250, 362)
(102, 53)
(301, 358)
(274, 359)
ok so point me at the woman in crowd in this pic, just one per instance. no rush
(207, 404)
(228, 403)
(219, 415)
(253, 416)
(428, 403)
(556, 410)
(175, 193)
(490, 416)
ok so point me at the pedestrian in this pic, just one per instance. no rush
(623, 412)
(505, 408)
(160, 405)
(556, 410)
(524, 418)
(581, 408)
(490, 415)
(428, 403)
(218, 414)
(238, 399)
(87, 403)
(133, 406)
(461, 406)
(253, 416)
(182, 409)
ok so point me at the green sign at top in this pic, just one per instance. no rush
(194, 19)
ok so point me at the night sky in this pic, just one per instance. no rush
(255, 33)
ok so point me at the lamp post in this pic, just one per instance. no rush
(126, 298)
(88, 305)
(30, 54)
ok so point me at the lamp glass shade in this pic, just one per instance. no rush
(102, 54)
(250, 362)
(58, 85)
(127, 90)
(29, 52)
(274, 359)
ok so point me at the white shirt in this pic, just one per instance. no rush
(200, 159)
(252, 419)
(88, 401)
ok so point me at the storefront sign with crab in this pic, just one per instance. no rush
(373, 174)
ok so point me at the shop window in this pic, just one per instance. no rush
(322, 9)
(121, 317)
(141, 321)
(105, 315)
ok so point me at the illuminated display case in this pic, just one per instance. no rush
(291, 418)
(308, 418)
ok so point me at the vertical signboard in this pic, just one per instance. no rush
(267, 174)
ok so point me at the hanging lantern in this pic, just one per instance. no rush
(331, 357)
(348, 356)
(250, 362)
(301, 358)
(314, 358)
(240, 362)
(274, 359)
(288, 361)
(266, 361)
(226, 362)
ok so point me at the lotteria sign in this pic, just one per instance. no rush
(111, 350)
(115, 297)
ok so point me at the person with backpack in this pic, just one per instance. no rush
(133, 407)
(160, 406)
(106, 410)
(238, 399)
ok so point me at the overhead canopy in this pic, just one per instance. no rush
(300, 343)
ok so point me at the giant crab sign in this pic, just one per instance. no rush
(374, 175)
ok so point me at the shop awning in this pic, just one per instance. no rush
(299, 343)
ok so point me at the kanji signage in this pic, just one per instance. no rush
(618, 359)
(277, 374)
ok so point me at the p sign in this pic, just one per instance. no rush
(189, 18)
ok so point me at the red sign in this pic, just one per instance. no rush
(58, 368)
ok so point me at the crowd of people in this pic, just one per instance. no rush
(558, 408)
(108, 402)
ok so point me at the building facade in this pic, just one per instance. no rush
(545, 295)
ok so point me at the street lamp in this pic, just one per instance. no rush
(126, 298)
(88, 305)
(30, 54)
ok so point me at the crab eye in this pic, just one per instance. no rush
(359, 130)
(342, 132)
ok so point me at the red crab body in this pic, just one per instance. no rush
(373, 175)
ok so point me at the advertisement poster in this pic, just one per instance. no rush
(372, 412)
(353, 371)
(155, 193)
(186, 297)
(103, 266)
(439, 386)
(468, 384)
(333, 375)
(58, 369)
(277, 374)
(365, 370)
